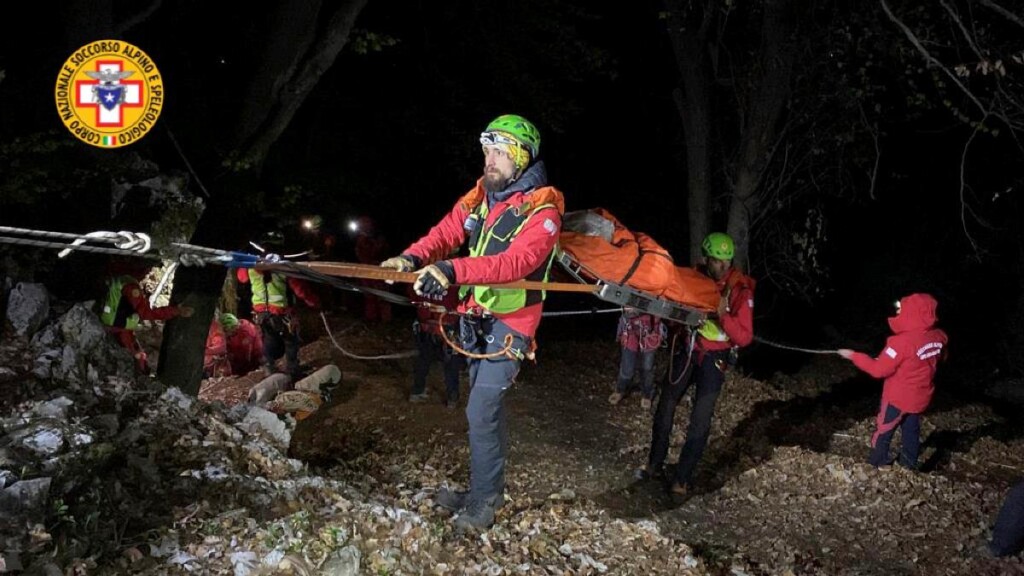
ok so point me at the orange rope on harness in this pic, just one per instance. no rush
(671, 358)
(509, 339)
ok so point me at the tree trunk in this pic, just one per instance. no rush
(768, 93)
(693, 101)
(305, 41)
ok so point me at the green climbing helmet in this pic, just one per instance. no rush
(520, 128)
(229, 321)
(719, 246)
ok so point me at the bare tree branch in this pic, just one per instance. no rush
(305, 76)
(931, 59)
(139, 17)
(1003, 12)
(963, 186)
(963, 29)
(873, 130)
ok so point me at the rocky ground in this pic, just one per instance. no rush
(103, 474)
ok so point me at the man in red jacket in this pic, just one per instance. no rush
(435, 316)
(127, 304)
(273, 298)
(908, 363)
(703, 362)
(639, 335)
(371, 247)
(510, 221)
(233, 347)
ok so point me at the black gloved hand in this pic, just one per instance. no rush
(434, 280)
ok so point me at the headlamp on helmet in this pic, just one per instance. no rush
(515, 127)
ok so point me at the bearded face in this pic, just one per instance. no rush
(499, 168)
(716, 268)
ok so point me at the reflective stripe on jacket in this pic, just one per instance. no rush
(273, 293)
(736, 326)
(116, 311)
(495, 239)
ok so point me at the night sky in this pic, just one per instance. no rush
(392, 134)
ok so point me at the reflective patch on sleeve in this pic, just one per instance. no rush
(929, 350)
(750, 302)
(890, 352)
(550, 226)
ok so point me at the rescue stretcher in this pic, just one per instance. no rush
(631, 269)
(627, 296)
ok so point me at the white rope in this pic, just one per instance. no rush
(793, 348)
(81, 248)
(163, 282)
(125, 243)
(130, 241)
(396, 356)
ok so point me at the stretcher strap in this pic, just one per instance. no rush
(371, 272)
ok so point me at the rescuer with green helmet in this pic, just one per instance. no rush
(702, 362)
(509, 222)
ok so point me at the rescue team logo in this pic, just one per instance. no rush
(109, 93)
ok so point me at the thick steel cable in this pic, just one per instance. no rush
(76, 248)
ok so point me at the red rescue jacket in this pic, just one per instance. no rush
(300, 288)
(133, 293)
(738, 321)
(243, 349)
(910, 357)
(528, 251)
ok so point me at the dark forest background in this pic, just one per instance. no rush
(859, 151)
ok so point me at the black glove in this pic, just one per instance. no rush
(433, 281)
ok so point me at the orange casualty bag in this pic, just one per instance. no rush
(609, 251)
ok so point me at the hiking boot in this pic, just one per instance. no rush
(615, 398)
(680, 491)
(456, 500)
(645, 403)
(418, 398)
(451, 402)
(649, 473)
(478, 516)
(451, 500)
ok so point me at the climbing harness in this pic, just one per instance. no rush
(672, 354)
(506, 350)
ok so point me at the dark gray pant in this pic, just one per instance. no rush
(707, 374)
(489, 380)
(627, 367)
(1008, 533)
(281, 339)
(432, 348)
